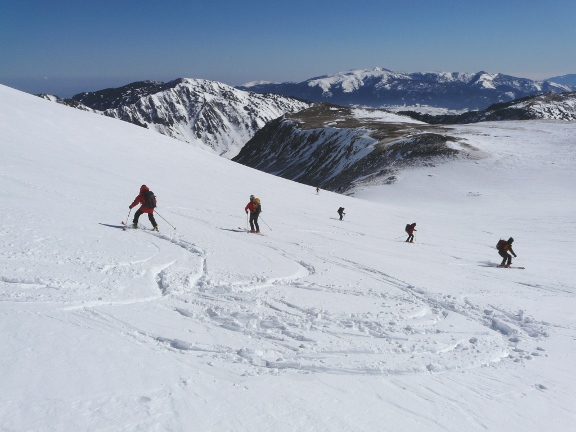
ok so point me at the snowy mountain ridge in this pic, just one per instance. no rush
(208, 114)
(379, 87)
(337, 148)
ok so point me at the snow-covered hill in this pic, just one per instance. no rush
(380, 87)
(319, 325)
(208, 114)
(549, 106)
(336, 147)
(568, 80)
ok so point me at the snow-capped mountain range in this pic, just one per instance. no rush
(208, 114)
(380, 87)
(222, 119)
(337, 147)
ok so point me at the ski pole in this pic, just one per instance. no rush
(128, 217)
(164, 219)
(247, 222)
(266, 224)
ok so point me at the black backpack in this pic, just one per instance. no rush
(407, 227)
(149, 199)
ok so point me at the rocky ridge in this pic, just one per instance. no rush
(337, 148)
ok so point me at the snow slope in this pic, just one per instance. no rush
(320, 325)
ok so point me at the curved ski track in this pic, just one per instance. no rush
(405, 330)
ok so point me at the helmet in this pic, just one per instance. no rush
(251, 197)
(510, 240)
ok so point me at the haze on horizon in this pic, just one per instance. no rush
(67, 47)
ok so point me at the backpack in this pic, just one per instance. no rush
(500, 245)
(257, 205)
(340, 210)
(149, 199)
(407, 229)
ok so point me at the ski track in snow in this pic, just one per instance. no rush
(408, 333)
(406, 329)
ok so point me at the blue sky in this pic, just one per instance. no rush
(65, 47)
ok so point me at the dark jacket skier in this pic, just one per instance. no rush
(504, 247)
(410, 228)
(145, 208)
(255, 209)
(341, 212)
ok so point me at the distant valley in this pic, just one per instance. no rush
(550, 106)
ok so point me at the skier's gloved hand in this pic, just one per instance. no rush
(515, 256)
(246, 211)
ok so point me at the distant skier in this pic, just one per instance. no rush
(148, 201)
(503, 247)
(317, 190)
(341, 212)
(410, 228)
(255, 209)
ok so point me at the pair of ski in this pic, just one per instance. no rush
(142, 227)
(512, 267)
(250, 232)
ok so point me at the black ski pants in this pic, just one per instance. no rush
(254, 221)
(139, 213)
(507, 257)
(410, 238)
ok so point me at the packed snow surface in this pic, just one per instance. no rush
(382, 116)
(320, 325)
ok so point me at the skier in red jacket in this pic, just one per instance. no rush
(254, 208)
(410, 228)
(141, 199)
